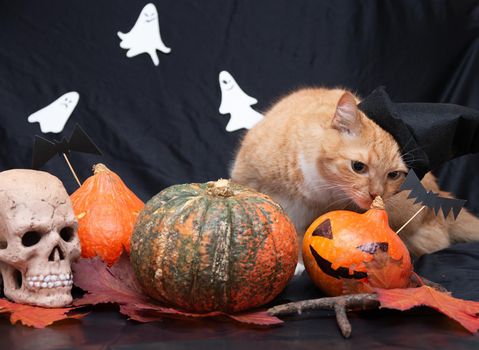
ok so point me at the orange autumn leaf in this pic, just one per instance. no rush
(463, 311)
(383, 272)
(34, 316)
(387, 273)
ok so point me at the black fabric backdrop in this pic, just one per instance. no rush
(160, 125)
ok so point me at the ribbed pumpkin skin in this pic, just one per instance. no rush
(351, 230)
(107, 211)
(204, 252)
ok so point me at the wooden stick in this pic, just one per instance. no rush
(71, 169)
(343, 303)
(342, 319)
(407, 222)
(339, 304)
(418, 281)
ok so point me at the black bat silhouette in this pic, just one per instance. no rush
(44, 150)
(430, 199)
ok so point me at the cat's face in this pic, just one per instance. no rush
(361, 159)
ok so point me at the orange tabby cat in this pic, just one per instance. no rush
(315, 151)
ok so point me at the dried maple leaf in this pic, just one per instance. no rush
(383, 272)
(257, 318)
(352, 286)
(386, 272)
(117, 284)
(463, 311)
(34, 316)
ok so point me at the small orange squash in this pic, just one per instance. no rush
(107, 211)
(338, 246)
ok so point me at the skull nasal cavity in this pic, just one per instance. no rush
(18, 280)
(31, 238)
(56, 254)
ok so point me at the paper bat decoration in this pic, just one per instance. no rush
(430, 199)
(44, 150)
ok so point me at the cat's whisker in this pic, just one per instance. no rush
(328, 187)
(407, 143)
(405, 158)
(346, 199)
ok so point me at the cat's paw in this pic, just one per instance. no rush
(299, 269)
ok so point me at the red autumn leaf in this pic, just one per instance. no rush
(34, 316)
(257, 318)
(385, 272)
(117, 284)
(261, 318)
(463, 311)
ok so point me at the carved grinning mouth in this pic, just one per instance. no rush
(340, 272)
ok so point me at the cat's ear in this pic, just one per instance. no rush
(346, 118)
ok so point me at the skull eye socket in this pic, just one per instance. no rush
(31, 238)
(67, 233)
(3, 244)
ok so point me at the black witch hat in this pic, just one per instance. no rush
(428, 134)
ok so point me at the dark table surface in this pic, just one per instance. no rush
(457, 268)
(107, 329)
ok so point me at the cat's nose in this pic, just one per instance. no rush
(373, 195)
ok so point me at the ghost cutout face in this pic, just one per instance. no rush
(53, 117)
(145, 36)
(227, 82)
(237, 103)
(38, 238)
(149, 13)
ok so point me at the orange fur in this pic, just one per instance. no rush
(301, 152)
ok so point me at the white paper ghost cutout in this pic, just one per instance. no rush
(235, 102)
(145, 36)
(53, 117)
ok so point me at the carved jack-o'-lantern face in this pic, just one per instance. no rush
(339, 244)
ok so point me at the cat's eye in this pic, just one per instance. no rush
(359, 167)
(394, 175)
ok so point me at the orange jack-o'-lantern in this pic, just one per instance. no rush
(340, 245)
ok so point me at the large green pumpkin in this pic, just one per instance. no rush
(216, 246)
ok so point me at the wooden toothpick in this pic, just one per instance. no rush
(71, 169)
(407, 222)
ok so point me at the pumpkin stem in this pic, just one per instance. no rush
(97, 168)
(378, 203)
(220, 188)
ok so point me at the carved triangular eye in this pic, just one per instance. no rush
(372, 248)
(324, 229)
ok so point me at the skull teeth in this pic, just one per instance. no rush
(50, 281)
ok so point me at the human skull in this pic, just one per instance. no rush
(38, 238)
